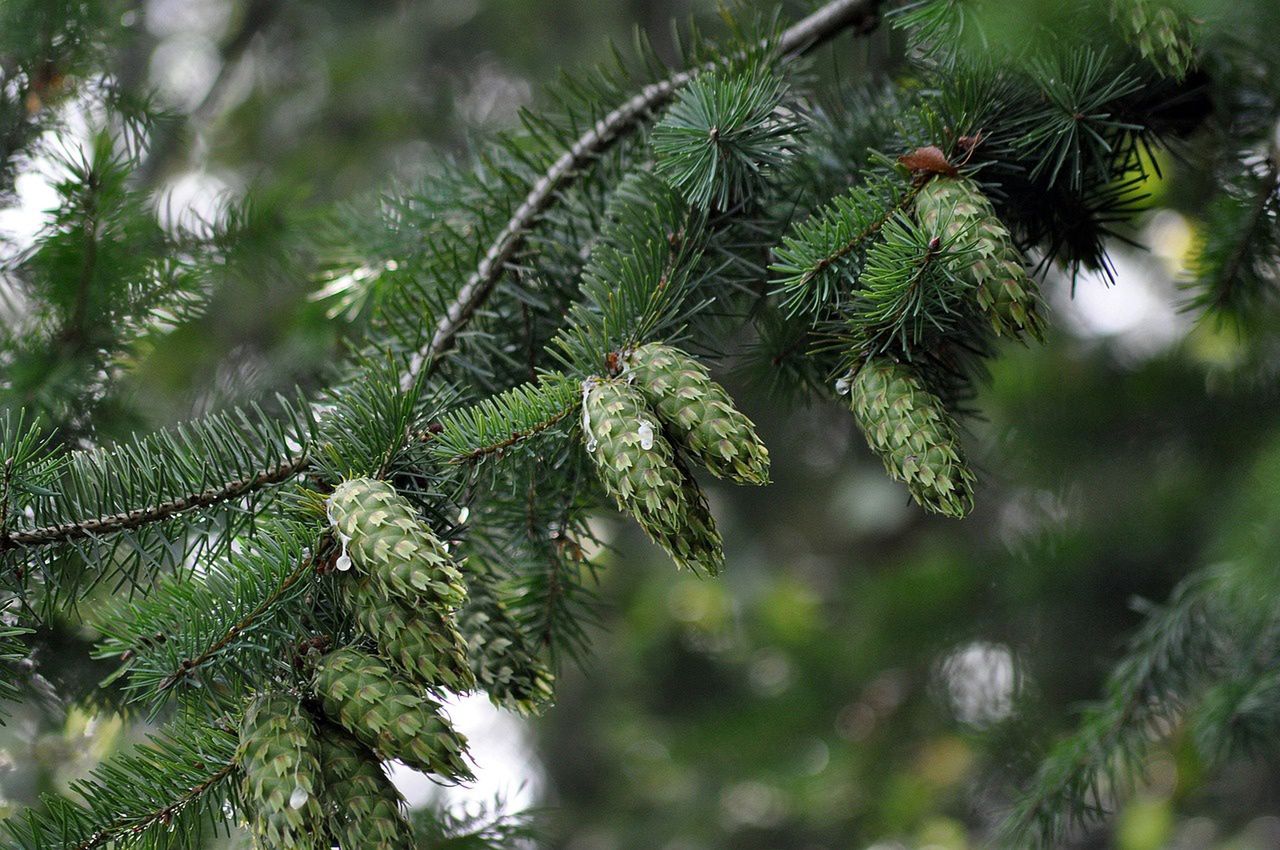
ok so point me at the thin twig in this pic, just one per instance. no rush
(159, 816)
(189, 665)
(94, 526)
(861, 236)
(516, 437)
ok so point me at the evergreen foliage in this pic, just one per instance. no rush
(420, 528)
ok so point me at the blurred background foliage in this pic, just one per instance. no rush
(863, 675)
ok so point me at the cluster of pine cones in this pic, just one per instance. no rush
(640, 428)
(315, 779)
(905, 423)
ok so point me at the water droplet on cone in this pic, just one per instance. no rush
(646, 435)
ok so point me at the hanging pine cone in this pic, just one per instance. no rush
(395, 718)
(1160, 33)
(386, 540)
(699, 413)
(505, 665)
(363, 806)
(424, 644)
(913, 433)
(634, 459)
(1005, 293)
(282, 778)
(697, 546)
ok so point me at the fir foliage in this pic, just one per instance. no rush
(878, 234)
(199, 636)
(123, 514)
(168, 793)
(725, 133)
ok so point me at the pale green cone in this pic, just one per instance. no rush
(1005, 292)
(506, 666)
(912, 432)
(363, 807)
(396, 719)
(386, 540)
(697, 546)
(282, 778)
(1159, 32)
(699, 413)
(424, 644)
(635, 462)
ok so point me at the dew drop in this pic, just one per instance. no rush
(344, 562)
(842, 385)
(298, 798)
(591, 445)
(646, 435)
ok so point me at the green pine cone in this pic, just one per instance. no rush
(699, 413)
(425, 645)
(635, 462)
(1005, 293)
(914, 435)
(395, 718)
(505, 665)
(282, 778)
(1160, 34)
(386, 540)
(697, 546)
(363, 806)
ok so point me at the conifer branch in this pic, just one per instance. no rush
(169, 792)
(857, 239)
(244, 603)
(805, 35)
(516, 437)
(819, 249)
(188, 666)
(124, 521)
(1230, 271)
(163, 816)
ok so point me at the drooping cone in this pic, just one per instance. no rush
(1160, 33)
(699, 413)
(697, 546)
(506, 666)
(282, 778)
(393, 717)
(424, 644)
(1006, 294)
(363, 807)
(635, 462)
(912, 432)
(387, 541)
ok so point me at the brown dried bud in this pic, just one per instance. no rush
(928, 160)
